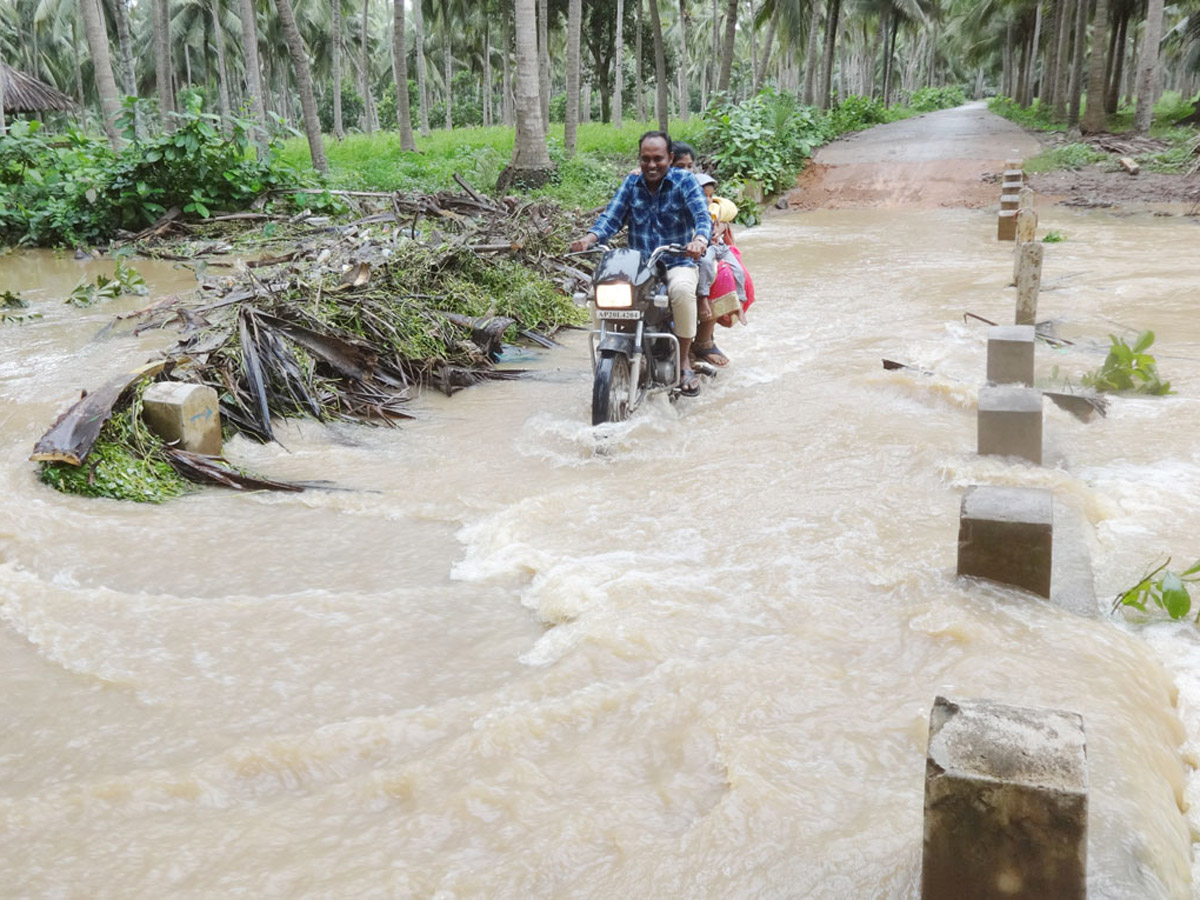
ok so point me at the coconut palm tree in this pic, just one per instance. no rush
(400, 68)
(253, 73)
(660, 67)
(1148, 76)
(303, 79)
(571, 124)
(1095, 119)
(106, 85)
(530, 159)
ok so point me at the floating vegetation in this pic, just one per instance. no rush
(1054, 237)
(1164, 588)
(10, 302)
(125, 280)
(1128, 369)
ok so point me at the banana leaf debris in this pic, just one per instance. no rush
(350, 320)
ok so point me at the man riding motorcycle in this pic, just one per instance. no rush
(662, 205)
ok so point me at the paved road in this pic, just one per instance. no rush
(940, 159)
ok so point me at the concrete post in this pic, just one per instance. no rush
(1014, 162)
(1005, 803)
(1009, 422)
(1027, 220)
(1025, 198)
(1006, 535)
(184, 414)
(1009, 201)
(1029, 281)
(1006, 225)
(1010, 354)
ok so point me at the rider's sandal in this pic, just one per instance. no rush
(710, 353)
(689, 384)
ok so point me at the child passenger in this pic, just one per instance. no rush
(723, 211)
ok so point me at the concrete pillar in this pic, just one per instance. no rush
(1006, 535)
(1005, 803)
(1006, 225)
(1009, 422)
(1025, 198)
(1010, 354)
(1014, 162)
(1029, 281)
(184, 414)
(1009, 201)
(1027, 219)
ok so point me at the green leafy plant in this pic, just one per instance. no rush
(927, 99)
(125, 280)
(127, 462)
(1054, 237)
(9, 302)
(1128, 369)
(1164, 588)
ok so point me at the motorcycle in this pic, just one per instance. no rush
(634, 352)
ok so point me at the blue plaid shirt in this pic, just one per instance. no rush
(676, 214)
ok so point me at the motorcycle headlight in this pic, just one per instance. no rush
(614, 296)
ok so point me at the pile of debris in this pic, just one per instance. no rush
(349, 319)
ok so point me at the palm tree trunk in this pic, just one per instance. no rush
(529, 149)
(253, 77)
(1116, 66)
(1062, 72)
(571, 123)
(102, 73)
(1094, 118)
(506, 83)
(618, 115)
(683, 55)
(660, 68)
(637, 52)
(447, 66)
(339, 128)
(1075, 100)
(222, 71)
(543, 39)
(731, 11)
(162, 57)
(400, 73)
(301, 71)
(365, 70)
(1031, 75)
(753, 41)
(1148, 76)
(764, 61)
(831, 27)
(1049, 83)
(120, 15)
(422, 82)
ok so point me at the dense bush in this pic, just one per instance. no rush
(857, 112)
(927, 99)
(1035, 116)
(352, 108)
(765, 138)
(56, 191)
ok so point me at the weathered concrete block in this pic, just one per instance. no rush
(1025, 198)
(1010, 422)
(1027, 220)
(1006, 535)
(1014, 162)
(1006, 226)
(186, 414)
(1005, 803)
(1010, 354)
(1029, 280)
(1009, 201)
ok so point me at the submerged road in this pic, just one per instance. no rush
(690, 655)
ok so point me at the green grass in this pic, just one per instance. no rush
(1070, 156)
(375, 162)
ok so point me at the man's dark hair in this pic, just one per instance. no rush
(655, 134)
(679, 148)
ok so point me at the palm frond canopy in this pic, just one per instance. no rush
(24, 93)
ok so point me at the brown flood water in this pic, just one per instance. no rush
(691, 655)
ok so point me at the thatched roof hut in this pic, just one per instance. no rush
(24, 93)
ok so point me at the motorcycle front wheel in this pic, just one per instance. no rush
(610, 388)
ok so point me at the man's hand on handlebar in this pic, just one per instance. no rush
(697, 247)
(584, 243)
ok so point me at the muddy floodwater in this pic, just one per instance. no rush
(690, 655)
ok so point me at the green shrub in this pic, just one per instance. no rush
(1128, 369)
(927, 99)
(857, 112)
(765, 138)
(1172, 106)
(1036, 116)
(1069, 156)
(77, 190)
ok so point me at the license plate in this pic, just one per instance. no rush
(618, 314)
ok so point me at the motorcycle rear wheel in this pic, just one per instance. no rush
(610, 388)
